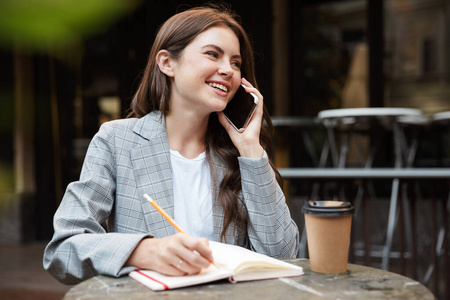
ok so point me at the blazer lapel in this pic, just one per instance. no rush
(153, 173)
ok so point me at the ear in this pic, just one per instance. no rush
(165, 62)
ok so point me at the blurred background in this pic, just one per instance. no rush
(68, 66)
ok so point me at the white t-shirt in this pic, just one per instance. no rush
(192, 194)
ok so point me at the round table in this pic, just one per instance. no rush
(381, 112)
(358, 282)
(443, 116)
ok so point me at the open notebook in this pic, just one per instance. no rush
(232, 262)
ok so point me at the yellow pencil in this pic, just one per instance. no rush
(165, 215)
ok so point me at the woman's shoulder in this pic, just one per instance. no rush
(117, 127)
(122, 124)
(126, 128)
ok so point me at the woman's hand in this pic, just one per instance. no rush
(247, 142)
(175, 255)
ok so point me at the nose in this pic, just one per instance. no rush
(226, 70)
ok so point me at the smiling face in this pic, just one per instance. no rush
(208, 73)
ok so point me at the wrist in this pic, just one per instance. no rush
(143, 255)
(251, 152)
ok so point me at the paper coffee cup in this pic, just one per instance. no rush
(328, 226)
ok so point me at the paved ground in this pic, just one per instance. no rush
(23, 277)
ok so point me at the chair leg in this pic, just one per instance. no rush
(413, 224)
(408, 220)
(391, 224)
(446, 212)
(367, 229)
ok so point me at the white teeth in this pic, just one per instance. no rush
(219, 86)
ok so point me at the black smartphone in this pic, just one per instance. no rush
(240, 109)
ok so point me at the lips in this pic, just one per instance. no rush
(218, 86)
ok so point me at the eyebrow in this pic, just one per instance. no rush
(220, 50)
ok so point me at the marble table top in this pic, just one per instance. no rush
(359, 282)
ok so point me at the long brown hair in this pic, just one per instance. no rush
(154, 94)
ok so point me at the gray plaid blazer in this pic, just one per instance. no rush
(103, 216)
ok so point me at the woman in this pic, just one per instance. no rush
(178, 147)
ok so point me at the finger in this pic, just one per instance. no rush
(202, 246)
(246, 82)
(194, 252)
(200, 254)
(171, 270)
(250, 89)
(174, 260)
(192, 260)
(184, 266)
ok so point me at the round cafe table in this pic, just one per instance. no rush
(388, 116)
(358, 282)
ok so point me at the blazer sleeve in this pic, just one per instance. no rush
(271, 229)
(81, 248)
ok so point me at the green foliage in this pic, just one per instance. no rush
(38, 24)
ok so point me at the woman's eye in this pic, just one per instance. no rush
(237, 64)
(212, 54)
